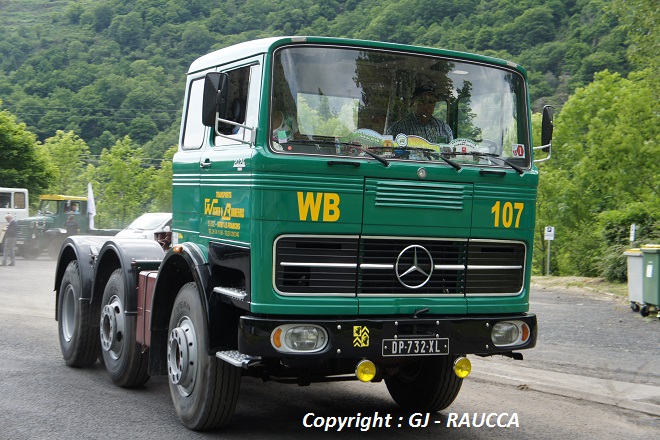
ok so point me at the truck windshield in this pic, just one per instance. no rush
(400, 106)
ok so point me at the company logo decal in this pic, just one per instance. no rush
(226, 215)
(360, 336)
(312, 205)
(414, 266)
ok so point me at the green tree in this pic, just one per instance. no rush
(640, 18)
(122, 183)
(606, 134)
(22, 163)
(161, 184)
(67, 153)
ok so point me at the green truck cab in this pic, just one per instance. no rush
(323, 230)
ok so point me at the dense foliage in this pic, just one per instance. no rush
(110, 68)
(91, 92)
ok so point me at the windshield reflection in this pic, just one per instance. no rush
(330, 100)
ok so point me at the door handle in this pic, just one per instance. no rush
(206, 163)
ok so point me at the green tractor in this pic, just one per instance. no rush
(47, 230)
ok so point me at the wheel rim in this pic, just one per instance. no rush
(68, 313)
(113, 327)
(182, 356)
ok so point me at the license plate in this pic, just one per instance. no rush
(415, 347)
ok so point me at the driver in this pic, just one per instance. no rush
(421, 122)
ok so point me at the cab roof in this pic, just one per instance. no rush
(261, 46)
(61, 197)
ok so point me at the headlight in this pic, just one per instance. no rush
(299, 338)
(507, 333)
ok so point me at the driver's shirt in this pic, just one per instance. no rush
(435, 131)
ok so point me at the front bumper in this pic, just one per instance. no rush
(364, 338)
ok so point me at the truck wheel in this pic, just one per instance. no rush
(122, 355)
(204, 388)
(427, 385)
(79, 341)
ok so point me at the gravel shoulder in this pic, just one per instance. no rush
(582, 285)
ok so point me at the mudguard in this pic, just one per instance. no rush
(185, 264)
(98, 257)
(132, 255)
(84, 249)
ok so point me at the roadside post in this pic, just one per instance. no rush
(548, 236)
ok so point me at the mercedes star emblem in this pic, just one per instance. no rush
(413, 264)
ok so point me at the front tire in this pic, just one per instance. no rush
(122, 355)
(79, 341)
(426, 385)
(204, 388)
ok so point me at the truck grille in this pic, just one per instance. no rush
(350, 265)
(316, 265)
(22, 231)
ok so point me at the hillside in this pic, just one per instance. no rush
(109, 68)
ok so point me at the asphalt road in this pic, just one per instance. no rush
(593, 375)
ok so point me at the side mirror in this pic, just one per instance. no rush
(215, 97)
(547, 126)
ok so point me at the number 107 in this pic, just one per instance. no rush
(504, 211)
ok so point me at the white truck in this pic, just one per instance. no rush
(13, 201)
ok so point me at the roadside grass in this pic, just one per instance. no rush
(594, 285)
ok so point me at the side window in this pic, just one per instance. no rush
(193, 131)
(19, 200)
(237, 106)
(5, 200)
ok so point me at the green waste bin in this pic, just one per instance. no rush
(635, 270)
(651, 275)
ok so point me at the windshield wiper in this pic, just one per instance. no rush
(434, 155)
(493, 156)
(380, 159)
(454, 165)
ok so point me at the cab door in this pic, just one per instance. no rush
(226, 163)
(186, 166)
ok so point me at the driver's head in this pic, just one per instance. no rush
(424, 100)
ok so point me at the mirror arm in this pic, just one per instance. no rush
(540, 147)
(253, 131)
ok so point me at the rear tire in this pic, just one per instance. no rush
(122, 355)
(426, 385)
(79, 341)
(204, 388)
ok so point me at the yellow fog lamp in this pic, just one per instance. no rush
(365, 370)
(462, 367)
